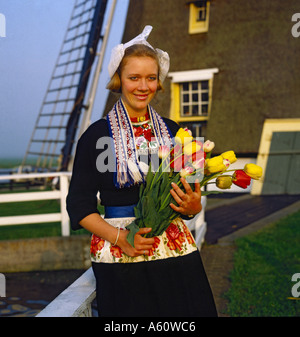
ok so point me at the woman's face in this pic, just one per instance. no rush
(139, 80)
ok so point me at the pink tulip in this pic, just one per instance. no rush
(208, 146)
(226, 162)
(163, 151)
(186, 171)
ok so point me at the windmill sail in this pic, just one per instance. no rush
(58, 122)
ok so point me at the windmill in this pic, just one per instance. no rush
(67, 105)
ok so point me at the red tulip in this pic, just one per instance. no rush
(179, 162)
(178, 159)
(241, 179)
(198, 160)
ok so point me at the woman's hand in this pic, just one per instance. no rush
(141, 245)
(189, 203)
(95, 224)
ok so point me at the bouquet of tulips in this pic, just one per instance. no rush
(191, 159)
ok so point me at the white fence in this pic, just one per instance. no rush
(60, 194)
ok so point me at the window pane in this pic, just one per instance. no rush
(194, 85)
(186, 110)
(195, 110)
(204, 85)
(204, 108)
(201, 14)
(202, 5)
(204, 97)
(185, 98)
(185, 86)
(195, 97)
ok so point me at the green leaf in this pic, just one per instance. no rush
(149, 178)
(142, 188)
(165, 185)
(133, 229)
(208, 154)
(163, 226)
(137, 211)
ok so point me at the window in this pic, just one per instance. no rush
(199, 16)
(191, 95)
(201, 10)
(194, 98)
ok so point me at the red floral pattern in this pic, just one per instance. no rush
(143, 135)
(96, 244)
(175, 237)
(155, 245)
(116, 251)
(188, 235)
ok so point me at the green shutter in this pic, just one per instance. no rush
(282, 174)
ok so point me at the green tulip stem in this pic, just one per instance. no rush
(161, 166)
(165, 202)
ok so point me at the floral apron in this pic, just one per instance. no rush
(177, 240)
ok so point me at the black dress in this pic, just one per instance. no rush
(170, 282)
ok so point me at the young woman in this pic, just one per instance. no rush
(159, 276)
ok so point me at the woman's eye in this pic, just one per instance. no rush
(133, 78)
(152, 78)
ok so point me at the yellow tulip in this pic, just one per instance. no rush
(183, 137)
(224, 182)
(253, 171)
(230, 155)
(191, 148)
(215, 164)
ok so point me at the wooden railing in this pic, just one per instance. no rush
(60, 194)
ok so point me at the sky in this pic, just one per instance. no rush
(34, 35)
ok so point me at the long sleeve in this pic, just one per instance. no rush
(82, 196)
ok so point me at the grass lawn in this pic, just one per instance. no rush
(264, 263)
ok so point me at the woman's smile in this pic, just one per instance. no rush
(141, 96)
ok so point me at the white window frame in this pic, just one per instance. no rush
(180, 77)
(193, 75)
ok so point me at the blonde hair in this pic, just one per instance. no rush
(136, 50)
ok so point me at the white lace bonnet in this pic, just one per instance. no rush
(118, 52)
